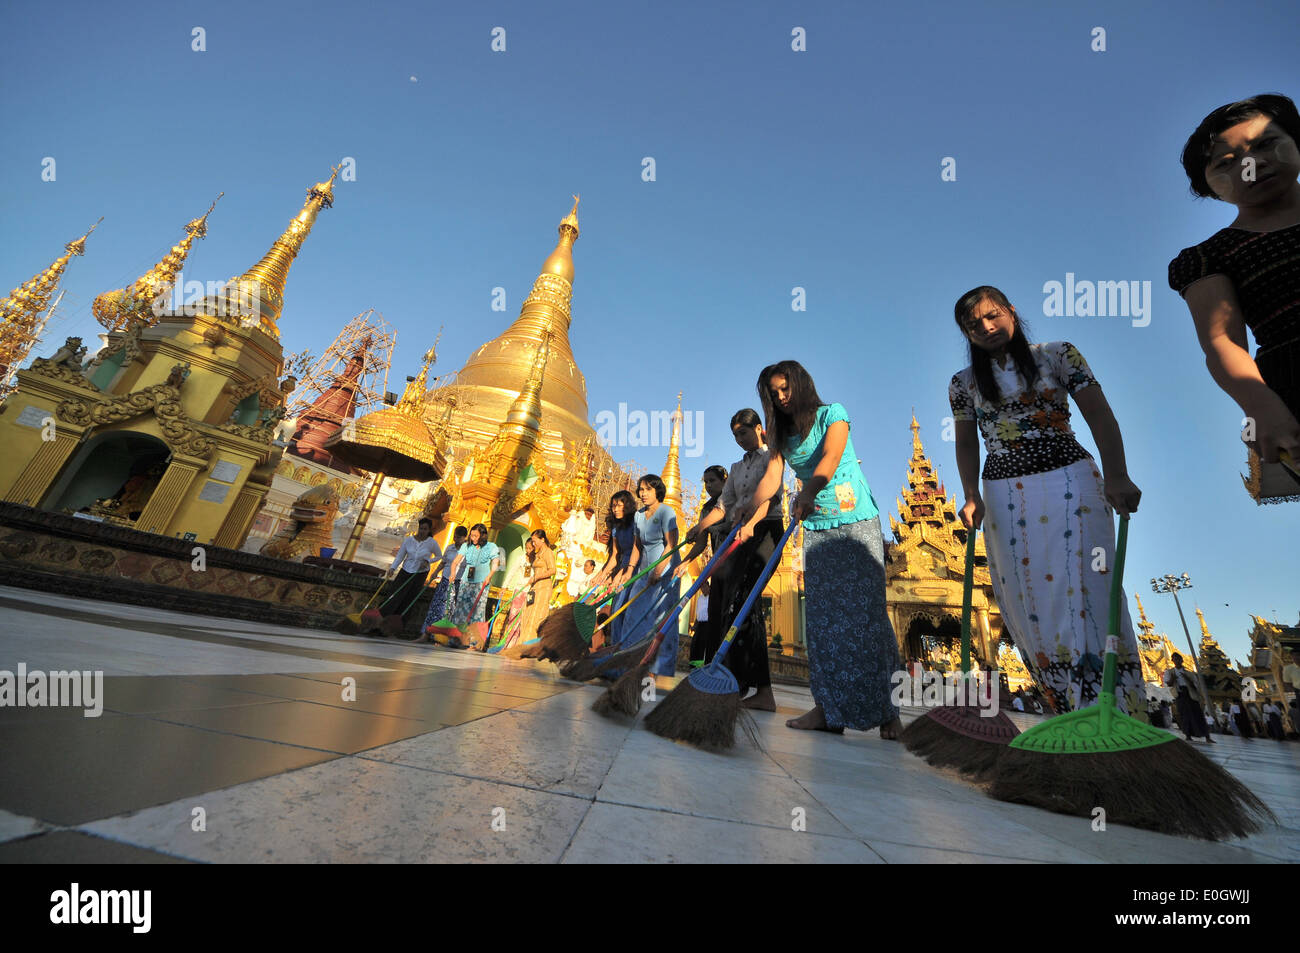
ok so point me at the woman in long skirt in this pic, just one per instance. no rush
(852, 650)
(441, 603)
(1049, 531)
(656, 528)
(624, 558)
(481, 559)
(541, 577)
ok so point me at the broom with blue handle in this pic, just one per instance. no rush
(703, 709)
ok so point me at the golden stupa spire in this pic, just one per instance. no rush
(119, 309)
(517, 437)
(1205, 629)
(672, 475)
(265, 281)
(1148, 628)
(918, 451)
(20, 313)
(412, 401)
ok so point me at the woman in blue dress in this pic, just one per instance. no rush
(656, 530)
(852, 650)
(624, 557)
(481, 559)
(444, 595)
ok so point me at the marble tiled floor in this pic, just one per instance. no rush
(449, 756)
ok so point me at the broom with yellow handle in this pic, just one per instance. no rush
(1140, 775)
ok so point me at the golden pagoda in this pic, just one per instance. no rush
(170, 429)
(924, 573)
(493, 372)
(20, 313)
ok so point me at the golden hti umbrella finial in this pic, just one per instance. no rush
(20, 312)
(141, 302)
(392, 441)
(264, 283)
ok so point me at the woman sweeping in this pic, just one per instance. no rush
(624, 557)
(852, 651)
(1050, 532)
(656, 530)
(747, 659)
(707, 635)
(481, 559)
(445, 593)
(1248, 274)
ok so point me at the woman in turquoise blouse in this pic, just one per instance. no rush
(481, 559)
(852, 650)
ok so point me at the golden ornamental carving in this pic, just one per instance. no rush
(178, 431)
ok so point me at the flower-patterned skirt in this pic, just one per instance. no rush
(1051, 543)
(852, 650)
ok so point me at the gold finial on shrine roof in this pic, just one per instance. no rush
(135, 304)
(571, 220)
(265, 281)
(20, 312)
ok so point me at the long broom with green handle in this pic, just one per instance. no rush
(566, 633)
(624, 696)
(613, 658)
(1140, 775)
(964, 736)
(704, 709)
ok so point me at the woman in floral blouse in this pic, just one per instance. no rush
(1050, 532)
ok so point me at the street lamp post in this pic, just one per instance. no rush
(1171, 584)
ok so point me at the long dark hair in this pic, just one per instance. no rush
(482, 533)
(721, 474)
(981, 362)
(1280, 109)
(629, 509)
(541, 534)
(781, 425)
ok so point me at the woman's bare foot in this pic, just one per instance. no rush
(761, 700)
(814, 720)
(891, 731)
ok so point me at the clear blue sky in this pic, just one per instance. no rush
(775, 169)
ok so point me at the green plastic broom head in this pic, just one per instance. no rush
(1103, 727)
(584, 619)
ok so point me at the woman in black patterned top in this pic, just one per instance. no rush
(1248, 274)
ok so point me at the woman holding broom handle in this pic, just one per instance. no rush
(1051, 531)
(852, 651)
(481, 559)
(747, 659)
(656, 531)
(624, 556)
(707, 635)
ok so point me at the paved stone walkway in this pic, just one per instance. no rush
(229, 741)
